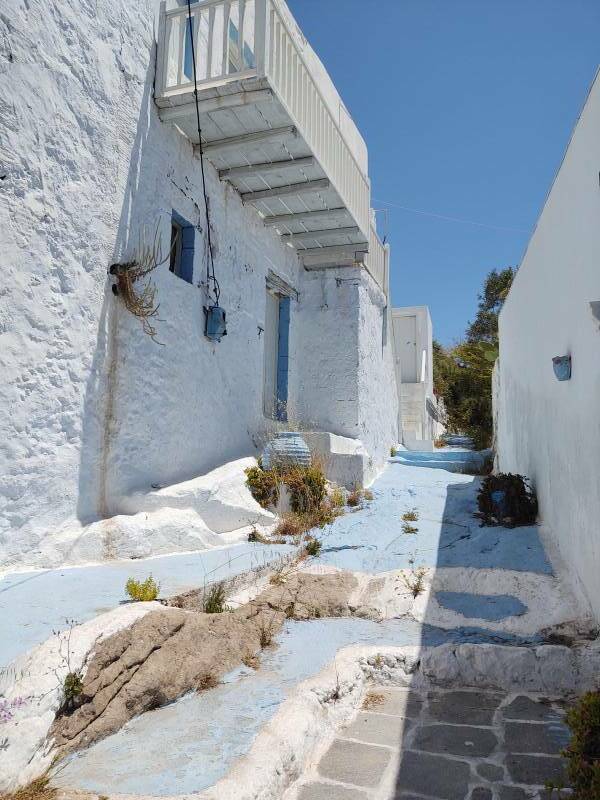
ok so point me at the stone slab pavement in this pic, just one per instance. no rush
(443, 745)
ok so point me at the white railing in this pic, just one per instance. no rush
(291, 78)
(236, 39)
(225, 36)
(377, 260)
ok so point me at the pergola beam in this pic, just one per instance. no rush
(286, 191)
(256, 137)
(345, 255)
(253, 170)
(307, 236)
(236, 100)
(304, 216)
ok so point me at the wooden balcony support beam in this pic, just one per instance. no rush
(286, 191)
(256, 137)
(307, 236)
(346, 255)
(236, 100)
(253, 170)
(304, 216)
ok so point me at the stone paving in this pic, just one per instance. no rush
(443, 744)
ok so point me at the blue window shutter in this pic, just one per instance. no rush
(283, 358)
(186, 269)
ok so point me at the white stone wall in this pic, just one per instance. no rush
(546, 429)
(91, 408)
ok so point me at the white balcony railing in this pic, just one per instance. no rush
(240, 39)
(377, 260)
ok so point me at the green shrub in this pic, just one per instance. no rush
(337, 498)
(313, 547)
(142, 591)
(263, 485)
(583, 751)
(393, 451)
(307, 487)
(71, 692)
(358, 495)
(214, 599)
(517, 506)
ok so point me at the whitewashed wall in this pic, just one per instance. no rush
(91, 408)
(546, 429)
(347, 360)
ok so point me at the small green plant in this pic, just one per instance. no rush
(72, 690)
(411, 516)
(313, 547)
(583, 751)
(142, 591)
(408, 528)
(393, 451)
(214, 599)
(263, 485)
(506, 499)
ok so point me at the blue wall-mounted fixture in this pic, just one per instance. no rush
(562, 367)
(214, 323)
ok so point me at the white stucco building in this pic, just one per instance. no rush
(419, 417)
(547, 422)
(101, 148)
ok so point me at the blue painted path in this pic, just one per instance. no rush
(372, 539)
(34, 604)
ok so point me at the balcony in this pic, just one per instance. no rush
(273, 126)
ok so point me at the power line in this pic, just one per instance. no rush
(452, 219)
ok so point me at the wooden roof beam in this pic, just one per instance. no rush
(256, 137)
(286, 191)
(254, 170)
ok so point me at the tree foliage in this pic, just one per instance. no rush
(462, 374)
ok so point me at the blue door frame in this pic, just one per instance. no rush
(283, 346)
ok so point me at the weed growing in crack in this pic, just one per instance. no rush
(358, 495)
(39, 789)
(142, 591)
(214, 599)
(412, 515)
(414, 580)
(372, 700)
(408, 528)
(206, 681)
(266, 630)
(251, 660)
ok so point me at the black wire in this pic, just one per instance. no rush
(210, 268)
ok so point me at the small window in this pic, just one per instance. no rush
(181, 261)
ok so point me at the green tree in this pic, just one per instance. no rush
(462, 374)
(484, 327)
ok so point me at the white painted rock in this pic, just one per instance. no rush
(168, 530)
(220, 497)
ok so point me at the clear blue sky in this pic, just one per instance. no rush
(466, 107)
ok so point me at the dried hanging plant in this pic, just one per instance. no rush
(141, 302)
